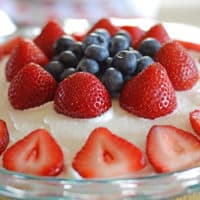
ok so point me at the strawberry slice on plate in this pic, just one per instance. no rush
(170, 149)
(180, 66)
(150, 94)
(4, 136)
(107, 155)
(48, 36)
(25, 52)
(195, 120)
(36, 154)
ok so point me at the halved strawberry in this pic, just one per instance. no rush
(105, 23)
(179, 64)
(4, 136)
(37, 154)
(158, 32)
(107, 155)
(82, 95)
(48, 36)
(150, 94)
(136, 33)
(170, 149)
(190, 45)
(31, 87)
(25, 52)
(195, 120)
(9, 45)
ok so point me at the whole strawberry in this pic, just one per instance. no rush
(180, 66)
(31, 87)
(150, 94)
(25, 52)
(81, 95)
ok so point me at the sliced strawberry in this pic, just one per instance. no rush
(25, 52)
(158, 32)
(37, 154)
(32, 86)
(82, 95)
(9, 45)
(136, 33)
(150, 94)
(190, 45)
(170, 149)
(107, 155)
(105, 23)
(48, 36)
(195, 120)
(180, 66)
(4, 136)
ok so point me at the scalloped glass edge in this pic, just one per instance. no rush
(159, 186)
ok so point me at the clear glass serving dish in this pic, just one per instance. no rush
(180, 185)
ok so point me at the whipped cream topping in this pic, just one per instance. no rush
(71, 133)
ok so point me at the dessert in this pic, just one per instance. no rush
(96, 116)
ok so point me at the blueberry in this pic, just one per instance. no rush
(88, 65)
(143, 62)
(125, 61)
(63, 43)
(55, 68)
(125, 34)
(103, 32)
(118, 43)
(94, 38)
(96, 52)
(66, 73)
(137, 53)
(68, 58)
(78, 49)
(149, 47)
(113, 80)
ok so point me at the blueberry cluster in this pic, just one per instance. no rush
(111, 59)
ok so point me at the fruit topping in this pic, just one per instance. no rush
(48, 36)
(143, 62)
(81, 95)
(170, 149)
(180, 66)
(36, 154)
(107, 155)
(158, 32)
(4, 136)
(31, 87)
(194, 118)
(25, 52)
(149, 47)
(150, 94)
(190, 45)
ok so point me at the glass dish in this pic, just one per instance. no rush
(185, 184)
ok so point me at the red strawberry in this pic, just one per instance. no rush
(105, 23)
(195, 120)
(37, 154)
(78, 36)
(48, 36)
(190, 45)
(4, 136)
(82, 95)
(11, 44)
(169, 148)
(158, 32)
(107, 155)
(180, 66)
(150, 94)
(136, 33)
(25, 52)
(31, 87)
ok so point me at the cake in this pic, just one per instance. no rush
(131, 126)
